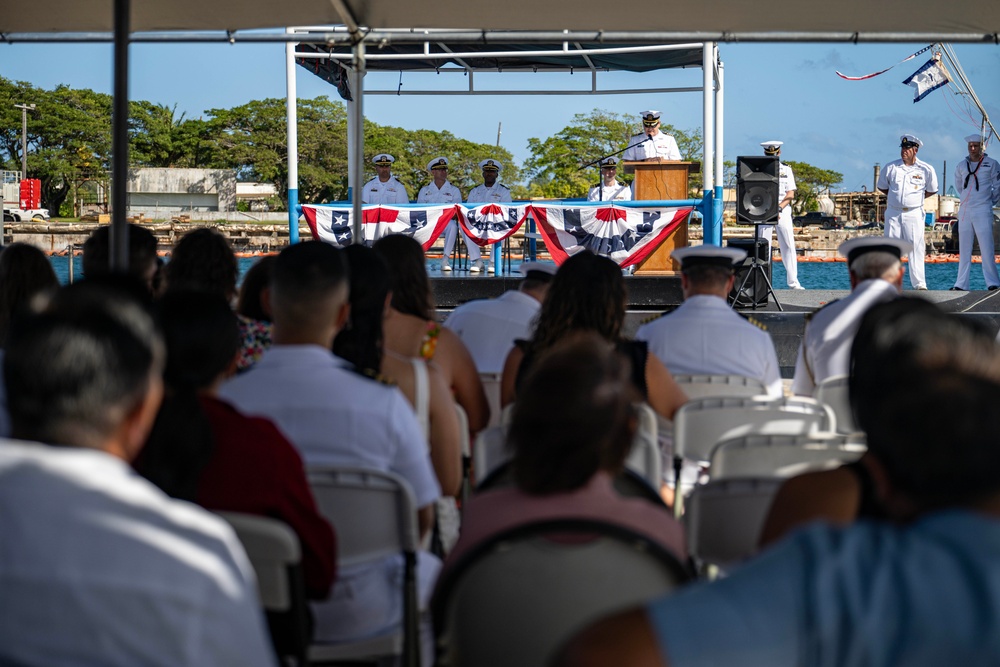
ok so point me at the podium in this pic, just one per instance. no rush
(662, 180)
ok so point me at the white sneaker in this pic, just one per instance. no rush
(797, 287)
(476, 267)
(445, 266)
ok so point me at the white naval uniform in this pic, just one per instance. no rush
(662, 146)
(481, 194)
(390, 192)
(975, 215)
(826, 345)
(705, 337)
(446, 194)
(904, 212)
(616, 192)
(489, 327)
(786, 235)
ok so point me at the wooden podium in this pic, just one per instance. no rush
(662, 180)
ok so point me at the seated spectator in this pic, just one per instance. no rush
(254, 312)
(918, 589)
(99, 567)
(142, 260)
(360, 342)
(203, 261)
(412, 331)
(567, 451)
(203, 450)
(588, 294)
(337, 417)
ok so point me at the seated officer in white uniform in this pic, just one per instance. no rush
(491, 191)
(876, 276)
(441, 191)
(609, 189)
(653, 144)
(906, 182)
(704, 336)
(98, 566)
(786, 235)
(384, 188)
(489, 327)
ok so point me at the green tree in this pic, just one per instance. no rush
(160, 138)
(810, 181)
(554, 166)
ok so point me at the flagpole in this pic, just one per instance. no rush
(949, 53)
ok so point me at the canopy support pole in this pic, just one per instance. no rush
(291, 111)
(356, 147)
(119, 141)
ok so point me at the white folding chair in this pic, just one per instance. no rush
(491, 385)
(276, 557)
(701, 423)
(516, 599)
(375, 516)
(489, 452)
(782, 455)
(644, 458)
(833, 392)
(702, 386)
(725, 517)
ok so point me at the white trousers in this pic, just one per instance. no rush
(450, 233)
(978, 220)
(786, 243)
(909, 226)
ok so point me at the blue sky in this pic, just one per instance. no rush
(773, 91)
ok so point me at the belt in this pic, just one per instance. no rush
(905, 209)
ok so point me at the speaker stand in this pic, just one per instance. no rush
(757, 268)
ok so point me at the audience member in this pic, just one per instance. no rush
(876, 275)
(203, 450)
(25, 272)
(337, 417)
(203, 261)
(253, 309)
(412, 331)
(99, 567)
(588, 294)
(361, 343)
(916, 589)
(567, 451)
(704, 336)
(489, 327)
(142, 260)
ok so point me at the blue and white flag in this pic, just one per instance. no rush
(927, 79)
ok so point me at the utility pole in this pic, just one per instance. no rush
(24, 136)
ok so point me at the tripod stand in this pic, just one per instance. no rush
(756, 269)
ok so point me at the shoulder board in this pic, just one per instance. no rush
(377, 377)
(811, 315)
(503, 186)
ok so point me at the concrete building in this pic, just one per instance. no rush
(157, 191)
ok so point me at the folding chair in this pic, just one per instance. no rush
(724, 518)
(780, 455)
(276, 557)
(491, 385)
(375, 516)
(833, 392)
(702, 386)
(701, 423)
(517, 598)
(489, 452)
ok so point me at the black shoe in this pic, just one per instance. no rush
(959, 289)
(993, 287)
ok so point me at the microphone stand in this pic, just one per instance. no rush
(600, 180)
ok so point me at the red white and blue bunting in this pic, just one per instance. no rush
(627, 234)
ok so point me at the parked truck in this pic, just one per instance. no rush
(826, 220)
(22, 198)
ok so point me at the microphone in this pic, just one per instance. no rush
(649, 137)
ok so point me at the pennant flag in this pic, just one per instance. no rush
(874, 74)
(624, 234)
(927, 79)
(332, 222)
(491, 223)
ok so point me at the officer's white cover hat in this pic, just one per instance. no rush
(437, 163)
(854, 248)
(712, 255)
(490, 164)
(383, 159)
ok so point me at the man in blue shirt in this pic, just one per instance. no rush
(920, 589)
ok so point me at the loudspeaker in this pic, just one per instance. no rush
(756, 289)
(757, 189)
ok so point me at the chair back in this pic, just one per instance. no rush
(833, 392)
(515, 599)
(703, 386)
(276, 557)
(782, 455)
(489, 452)
(724, 518)
(644, 457)
(491, 385)
(374, 515)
